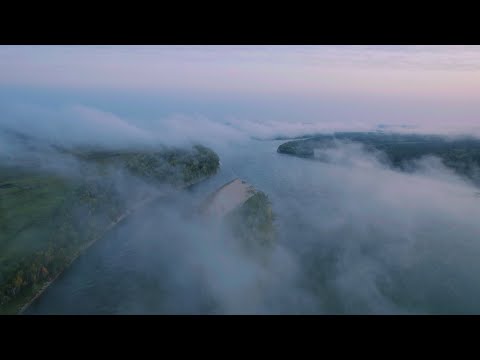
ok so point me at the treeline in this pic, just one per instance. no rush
(174, 166)
(40, 246)
(253, 223)
(461, 154)
(178, 167)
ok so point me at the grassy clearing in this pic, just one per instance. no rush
(47, 218)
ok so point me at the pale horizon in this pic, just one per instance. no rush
(304, 88)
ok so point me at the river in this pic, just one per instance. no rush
(345, 245)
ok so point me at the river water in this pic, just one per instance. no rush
(367, 240)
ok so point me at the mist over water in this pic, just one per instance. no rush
(354, 236)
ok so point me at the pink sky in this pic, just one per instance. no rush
(408, 71)
(328, 87)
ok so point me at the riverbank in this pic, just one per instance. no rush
(85, 247)
(49, 216)
(230, 196)
(110, 227)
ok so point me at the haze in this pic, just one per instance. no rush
(432, 88)
(355, 235)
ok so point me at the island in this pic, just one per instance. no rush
(248, 213)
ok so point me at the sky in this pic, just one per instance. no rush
(429, 88)
(425, 71)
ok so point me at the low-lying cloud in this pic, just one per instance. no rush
(80, 125)
(355, 235)
(390, 242)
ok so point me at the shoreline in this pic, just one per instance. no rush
(227, 198)
(112, 225)
(85, 247)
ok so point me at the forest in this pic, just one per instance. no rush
(459, 154)
(253, 223)
(48, 217)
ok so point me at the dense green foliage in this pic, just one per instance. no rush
(462, 155)
(179, 167)
(44, 226)
(47, 218)
(253, 222)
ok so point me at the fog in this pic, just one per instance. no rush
(354, 235)
(395, 242)
(108, 123)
